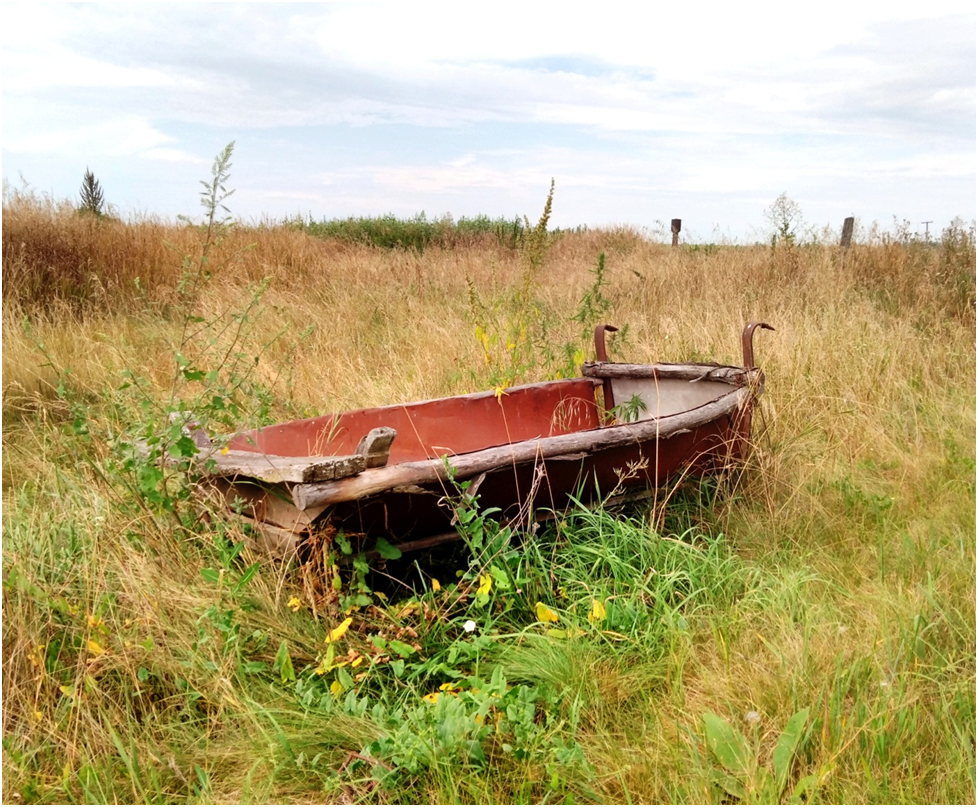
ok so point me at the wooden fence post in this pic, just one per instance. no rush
(847, 226)
(677, 225)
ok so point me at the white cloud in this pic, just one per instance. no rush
(111, 137)
(399, 105)
(171, 155)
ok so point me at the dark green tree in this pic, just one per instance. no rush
(92, 198)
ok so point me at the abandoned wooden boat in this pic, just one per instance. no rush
(391, 472)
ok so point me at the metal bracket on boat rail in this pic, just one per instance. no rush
(748, 342)
(601, 353)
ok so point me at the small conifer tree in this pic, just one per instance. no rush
(92, 198)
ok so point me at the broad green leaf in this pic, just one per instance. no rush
(733, 786)
(402, 649)
(211, 575)
(501, 577)
(784, 751)
(728, 745)
(344, 678)
(387, 550)
(764, 788)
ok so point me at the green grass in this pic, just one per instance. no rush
(417, 233)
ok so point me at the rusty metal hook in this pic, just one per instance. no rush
(599, 347)
(748, 342)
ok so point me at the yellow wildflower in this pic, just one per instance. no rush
(339, 630)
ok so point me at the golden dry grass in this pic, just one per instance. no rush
(855, 521)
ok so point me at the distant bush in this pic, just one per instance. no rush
(416, 233)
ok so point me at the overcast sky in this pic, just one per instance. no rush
(704, 111)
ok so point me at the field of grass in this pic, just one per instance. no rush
(804, 634)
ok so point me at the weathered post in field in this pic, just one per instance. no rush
(847, 226)
(677, 225)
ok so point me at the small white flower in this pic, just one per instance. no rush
(884, 683)
(752, 717)
(469, 626)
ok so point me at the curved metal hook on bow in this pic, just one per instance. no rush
(601, 353)
(748, 342)
(599, 347)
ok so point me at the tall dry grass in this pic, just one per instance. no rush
(855, 521)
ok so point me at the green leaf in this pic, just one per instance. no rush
(784, 751)
(501, 577)
(402, 649)
(764, 788)
(211, 575)
(344, 678)
(806, 785)
(283, 663)
(387, 550)
(733, 786)
(728, 745)
(184, 447)
(249, 573)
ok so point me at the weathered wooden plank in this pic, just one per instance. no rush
(269, 503)
(377, 480)
(273, 469)
(272, 540)
(213, 463)
(681, 372)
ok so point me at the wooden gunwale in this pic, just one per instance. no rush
(378, 480)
